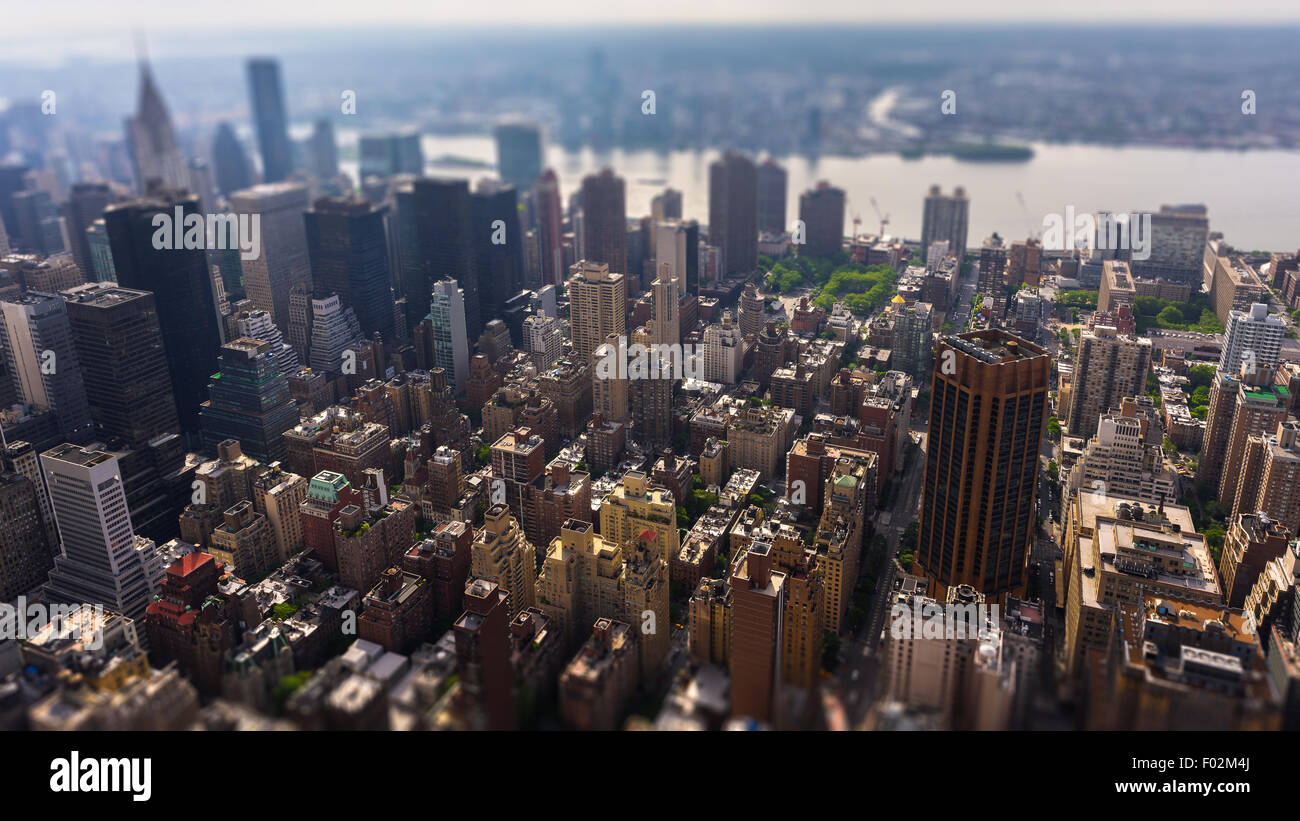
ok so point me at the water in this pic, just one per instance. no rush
(1251, 195)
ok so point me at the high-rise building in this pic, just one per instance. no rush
(450, 340)
(597, 306)
(497, 244)
(758, 602)
(993, 264)
(229, 163)
(1242, 407)
(323, 152)
(1177, 245)
(987, 413)
(1253, 339)
(101, 254)
(544, 339)
(334, 329)
(822, 212)
(385, 155)
(26, 554)
(724, 351)
(284, 260)
(1108, 367)
(271, 118)
(123, 364)
(156, 157)
(257, 324)
(604, 224)
(519, 153)
(773, 182)
(946, 218)
(502, 554)
(250, 402)
(1119, 460)
(1270, 476)
(436, 241)
(913, 335)
(483, 655)
(41, 357)
(348, 249)
(609, 386)
(733, 211)
(102, 561)
(183, 290)
(550, 228)
(666, 206)
(86, 203)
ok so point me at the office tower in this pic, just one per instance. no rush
(123, 364)
(822, 212)
(671, 244)
(987, 413)
(333, 330)
(550, 228)
(502, 554)
(41, 358)
(519, 153)
(758, 601)
(609, 384)
(270, 118)
(22, 458)
(666, 206)
(323, 152)
(498, 245)
(229, 163)
(250, 402)
(348, 250)
(667, 322)
(1109, 366)
(604, 222)
(1240, 407)
(102, 561)
(993, 263)
(26, 551)
(156, 157)
(386, 155)
(733, 211)
(299, 331)
(284, 260)
(435, 218)
(183, 293)
(946, 218)
(39, 228)
(752, 309)
(101, 254)
(1253, 338)
(597, 306)
(1177, 245)
(1118, 460)
(257, 324)
(86, 203)
(450, 341)
(913, 335)
(724, 351)
(773, 181)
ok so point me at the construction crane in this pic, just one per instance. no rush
(884, 218)
(1029, 223)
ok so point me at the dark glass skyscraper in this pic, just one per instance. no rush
(733, 211)
(86, 203)
(434, 217)
(250, 402)
(519, 154)
(120, 346)
(229, 163)
(498, 245)
(349, 257)
(182, 287)
(604, 220)
(271, 118)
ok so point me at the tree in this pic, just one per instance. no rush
(1053, 428)
(911, 534)
(1053, 470)
(830, 650)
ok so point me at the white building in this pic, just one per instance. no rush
(257, 324)
(333, 329)
(1118, 462)
(724, 351)
(545, 339)
(1254, 334)
(450, 341)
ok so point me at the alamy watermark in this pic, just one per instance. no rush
(654, 361)
(1107, 232)
(210, 232)
(23, 621)
(928, 619)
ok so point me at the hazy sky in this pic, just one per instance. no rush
(25, 17)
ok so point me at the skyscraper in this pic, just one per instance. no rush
(597, 306)
(271, 118)
(550, 228)
(758, 601)
(123, 363)
(1253, 339)
(250, 402)
(323, 151)
(498, 244)
(182, 289)
(86, 203)
(156, 157)
(733, 211)
(772, 184)
(822, 212)
(519, 153)
(450, 342)
(435, 237)
(229, 163)
(987, 412)
(101, 561)
(284, 260)
(41, 358)
(25, 553)
(348, 248)
(604, 221)
(1110, 366)
(333, 329)
(946, 218)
